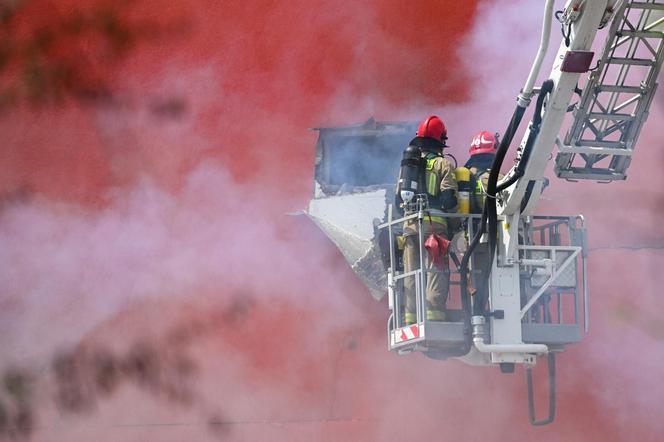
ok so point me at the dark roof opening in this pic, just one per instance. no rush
(361, 155)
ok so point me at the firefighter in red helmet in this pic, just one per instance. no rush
(437, 181)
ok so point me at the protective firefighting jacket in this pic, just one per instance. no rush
(478, 184)
(441, 188)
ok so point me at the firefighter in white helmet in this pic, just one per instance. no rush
(482, 151)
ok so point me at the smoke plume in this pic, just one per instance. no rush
(153, 287)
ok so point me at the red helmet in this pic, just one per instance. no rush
(432, 127)
(484, 142)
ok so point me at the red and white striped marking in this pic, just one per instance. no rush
(407, 333)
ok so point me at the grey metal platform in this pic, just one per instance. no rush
(451, 334)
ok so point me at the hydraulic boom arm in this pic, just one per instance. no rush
(573, 58)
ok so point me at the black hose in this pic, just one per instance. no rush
(547, 87)
(505, 184)
(455, 259)
(480, 298)
(535, 126)
(463, 285)
(463, 268)
(492, 185)
(456, 163)
(528, 193)
(490, 207)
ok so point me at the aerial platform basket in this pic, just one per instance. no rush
(554, 294)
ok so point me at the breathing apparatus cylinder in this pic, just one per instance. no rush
(462, 175)
(409, 176)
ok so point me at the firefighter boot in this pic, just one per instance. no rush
(410, 318)
(436, 315)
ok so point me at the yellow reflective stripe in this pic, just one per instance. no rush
(401, 242)
(436, 315)
(432, 178)
(410, 318)
(435, 219)
(432, 185)
(478, 187)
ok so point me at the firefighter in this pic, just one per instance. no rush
(482, 151)
(437, 181)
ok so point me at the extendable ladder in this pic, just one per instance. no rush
(615, 102)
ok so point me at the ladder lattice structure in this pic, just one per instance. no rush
(615, 102)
